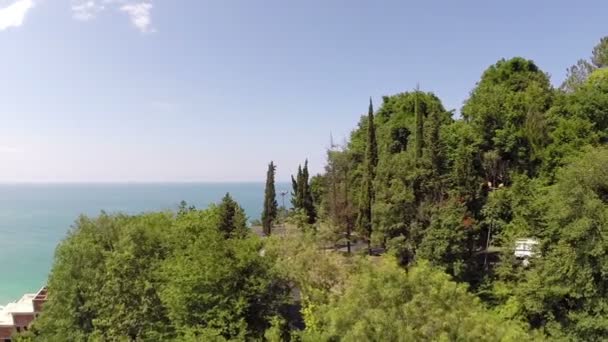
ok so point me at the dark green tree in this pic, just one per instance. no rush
(507, 109)
(434, 155)
(296, 193)
(232, 218)
(270, 210)
(419, 126)
(364, 220)
(302, 193)
(372, 144)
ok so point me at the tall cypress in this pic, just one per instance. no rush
(270, 211)
(372, 150)
(307, 200)
(302, 193)
(296, 194)
(434, 152)
(364, 219)
(419, 125)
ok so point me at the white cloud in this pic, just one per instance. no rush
(86, 9)
(140, 15)
(139, 11)
(14, 14)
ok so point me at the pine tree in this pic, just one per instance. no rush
(270, 211)
(364, 219)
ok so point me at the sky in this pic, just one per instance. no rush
(212, 90)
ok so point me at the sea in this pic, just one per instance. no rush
(34, 218)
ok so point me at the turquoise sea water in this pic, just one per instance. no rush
(35, 217)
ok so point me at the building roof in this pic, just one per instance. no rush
(24, 305)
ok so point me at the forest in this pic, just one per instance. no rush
(410, 233)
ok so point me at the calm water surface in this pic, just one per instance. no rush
(35, 217)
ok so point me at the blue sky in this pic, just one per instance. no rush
(211, 90)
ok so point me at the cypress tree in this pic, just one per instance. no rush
(434, 151)
(270, 211)
(296, 197)
(302, 193)
(419, 126)
(307, 200)
(364, 219)
(372, 151)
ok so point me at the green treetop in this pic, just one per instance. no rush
(232, 218)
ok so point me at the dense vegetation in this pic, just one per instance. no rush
(436, 200)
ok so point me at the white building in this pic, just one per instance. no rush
(526, 249)
(17, 316)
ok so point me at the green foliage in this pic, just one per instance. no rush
(577, 74)
(507, 109)
(227, 288)
(600, 53)
(301, 197)
(458, 193)
(318, 190)
(419, 127)
(270, 209)
(565, 291)
(383, 302)
(364, 218)
(232, 218)
(447, 241)
(159, 276)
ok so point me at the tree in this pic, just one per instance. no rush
(507, 109)
(576, 120)
(599, 57)
(103, 284)
(578, 73)
(564, 292)
(367, 187)
(434, 156)
(270, 210)
(419, 126)
(215, 285)
(302, 194)
(296, 193)
(383, 302)
(307, 199)
(340, 209)
(158, 277)
(372, 144)
(232, 218)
